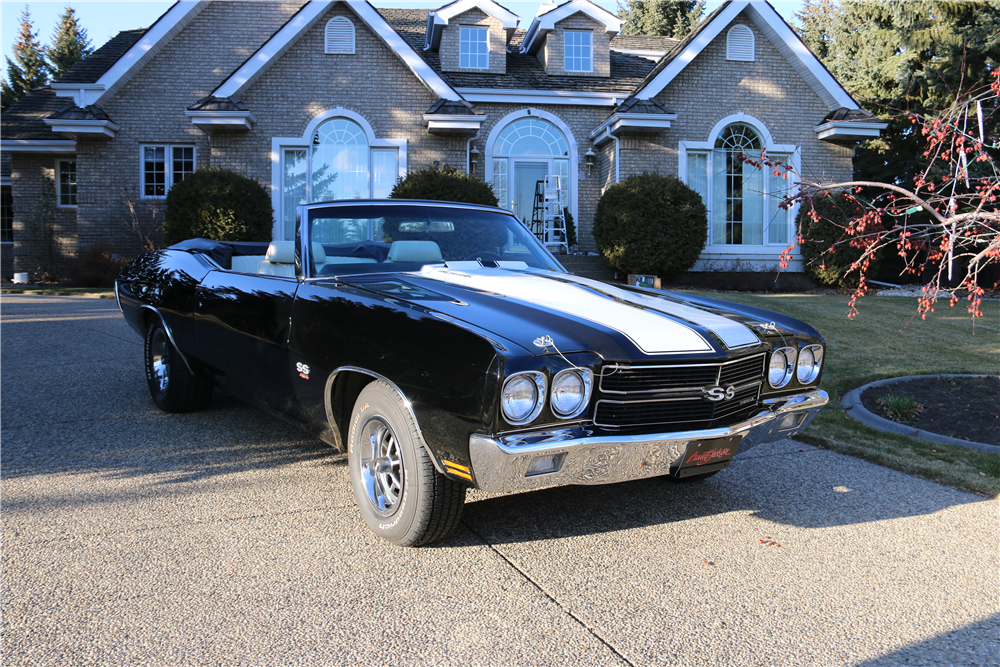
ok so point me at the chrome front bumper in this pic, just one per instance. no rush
(502, 464)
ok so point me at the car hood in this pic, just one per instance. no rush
(524, 307)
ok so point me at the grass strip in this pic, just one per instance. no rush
(886, 341)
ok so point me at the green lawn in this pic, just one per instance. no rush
(884, 341)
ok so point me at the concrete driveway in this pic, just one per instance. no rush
(228, 537)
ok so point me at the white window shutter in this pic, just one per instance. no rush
(339, 36)
(740, 43)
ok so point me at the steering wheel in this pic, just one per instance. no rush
(482, 254)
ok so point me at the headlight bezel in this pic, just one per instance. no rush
(790, 356)
(586, 377)
(537, 378)
(817, 353)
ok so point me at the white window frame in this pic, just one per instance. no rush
(462, 42)
(566, 46)
(169, 167)
(59, 192)
(708, 147)
(332, 26)
(281, 144)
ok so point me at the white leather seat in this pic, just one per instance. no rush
(414, 251)
(279, 260)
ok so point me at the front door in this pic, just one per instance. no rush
(526, 175)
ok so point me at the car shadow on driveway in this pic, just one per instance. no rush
(811, 488)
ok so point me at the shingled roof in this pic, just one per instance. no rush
(92, 68)
(25, 119)
(524, 72)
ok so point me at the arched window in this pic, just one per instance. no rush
(739, 185)
(339, 163)
(525, 152)
(740, 43)
(339, 36)
(742, 200)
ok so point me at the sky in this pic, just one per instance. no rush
(104, 20)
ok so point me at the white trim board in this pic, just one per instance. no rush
(524, 96)
(778, 33)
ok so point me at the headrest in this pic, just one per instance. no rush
(281, 252)
(319, 253)
(414, 251)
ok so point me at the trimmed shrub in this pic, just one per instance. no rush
(218, 204)
(444, 184)
(651, 224)
(819, 235)
(96, 267)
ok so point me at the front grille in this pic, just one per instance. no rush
(643, 396)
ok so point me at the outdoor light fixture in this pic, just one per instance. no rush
(589, 157)
(474, 157)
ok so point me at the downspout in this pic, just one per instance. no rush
(618, 158)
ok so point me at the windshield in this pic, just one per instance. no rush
(383, 237)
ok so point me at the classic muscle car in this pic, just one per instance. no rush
(444, 347)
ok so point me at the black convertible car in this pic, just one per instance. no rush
(443, 347)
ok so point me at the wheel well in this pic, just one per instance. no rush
(344, 392)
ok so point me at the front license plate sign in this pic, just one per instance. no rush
(710, 453)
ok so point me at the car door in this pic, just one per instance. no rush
(242, 322)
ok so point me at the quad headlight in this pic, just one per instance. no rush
(571, 392)
(523, 397)
(810, 364)
(781, 367)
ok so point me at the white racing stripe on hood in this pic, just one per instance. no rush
(733, 334)
(650, 332)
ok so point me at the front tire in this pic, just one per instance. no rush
(172, 386)
(400, 495)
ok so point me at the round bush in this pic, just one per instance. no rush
(218, 204)
(819, 236)
(651, 224)
(444, 184)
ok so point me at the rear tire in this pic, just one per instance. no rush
(400, 495)
(171, 385)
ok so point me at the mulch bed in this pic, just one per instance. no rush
(967, 408)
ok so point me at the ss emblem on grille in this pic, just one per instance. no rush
(716, 394)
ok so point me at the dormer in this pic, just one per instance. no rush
(471, 36)
(572, 39)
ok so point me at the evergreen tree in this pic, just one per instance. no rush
(70, 44)
(817, 20)
(28, 69)
(672, 18)
(899, 57)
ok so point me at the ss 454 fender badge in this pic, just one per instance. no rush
(302, 370)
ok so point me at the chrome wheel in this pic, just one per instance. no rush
(160, 359)
(381, 466)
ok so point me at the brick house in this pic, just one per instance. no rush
(290, 93)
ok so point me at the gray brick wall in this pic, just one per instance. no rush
(42, 241)
(150, 110)
(496, 40)
(711, 88)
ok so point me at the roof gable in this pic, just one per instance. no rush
(548, 16)
(141, 51)
(298, 25)
(773, 27)
(437, 19)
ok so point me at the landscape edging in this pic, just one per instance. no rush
(853, 408)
